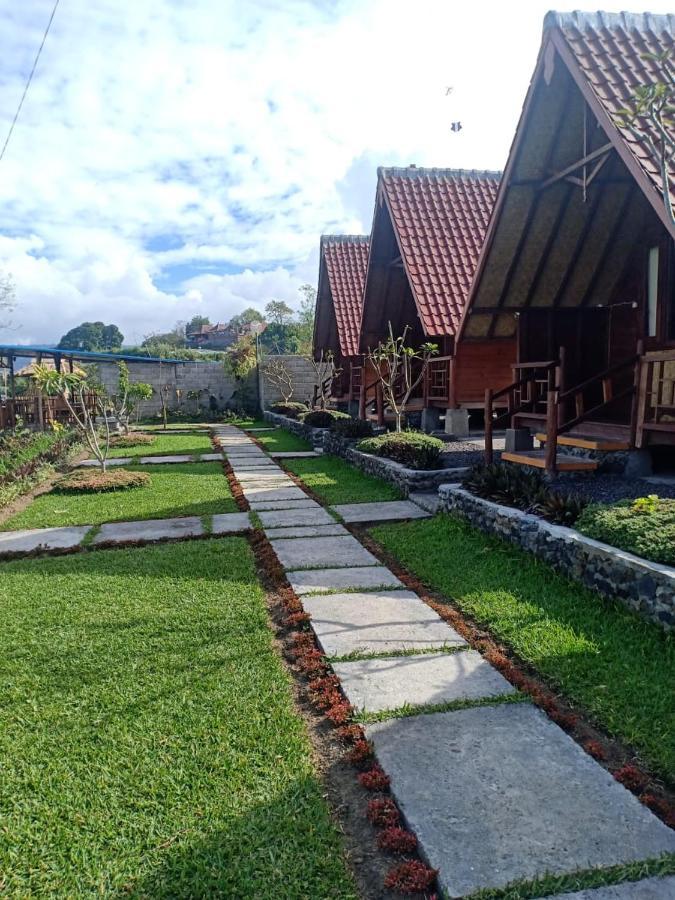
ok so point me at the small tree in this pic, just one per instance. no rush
(650, 119)
(240, 361)
(76, 391)
(138, 392)
(393, 362)
(276, 373)
(325, 373)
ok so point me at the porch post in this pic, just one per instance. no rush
(40, 409)
(362, 391)
(488, 426)
(552, 413)
(379, 402)
(635, 399)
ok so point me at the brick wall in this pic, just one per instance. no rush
(302, 375)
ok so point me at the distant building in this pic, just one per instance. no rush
(220, 336)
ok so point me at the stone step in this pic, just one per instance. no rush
(586, 443)
(383, 511)
(336, 552)
(537, 459)
(427, 500)
(323, 581)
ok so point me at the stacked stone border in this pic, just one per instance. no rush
(407, 480)
(646, 587)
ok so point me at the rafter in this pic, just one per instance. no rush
(580, 163)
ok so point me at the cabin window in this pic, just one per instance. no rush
(653, 292)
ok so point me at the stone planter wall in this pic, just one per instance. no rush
(408, 480)
(646, 587)
(315, 436)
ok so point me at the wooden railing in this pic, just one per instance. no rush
(38, 412)
(656, 395)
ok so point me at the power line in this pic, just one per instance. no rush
(28, 82)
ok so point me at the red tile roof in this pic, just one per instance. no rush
(346, 258)
(609, 50)
(440, 217)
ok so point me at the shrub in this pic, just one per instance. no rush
(411, 448)
(291, 409)
(645, 526)
(323, 418)
(352, 428)
(134, 439)
(22, 452)
(413, 877)
(397, 840)
(96, 481)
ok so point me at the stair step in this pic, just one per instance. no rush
(537, 460)
(587, 443)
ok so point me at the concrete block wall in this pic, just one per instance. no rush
(302, 374)
(207, 377)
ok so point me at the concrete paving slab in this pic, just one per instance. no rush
(378, 622)
(211, 457)
(498, 794)
(648, 889)
(375, 685)
(150, 530)
(293, 454)
(264, 505)
(230, 523)
(428, 500)
(289, 518)
(379, 512)
(117, 461)
(165, 460)
(304, 531)
(267, 483)
(256, 430)
(320, 552)
(322, 581)
(273, 493)
(241, 464)
(27, 541)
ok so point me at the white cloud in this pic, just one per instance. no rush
(165, 143)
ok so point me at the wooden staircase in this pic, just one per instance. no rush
(536, 459)
(587, 442)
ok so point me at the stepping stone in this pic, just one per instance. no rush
(150, 530)
(211, 457)
(375, 685)
(163, 460)
(320, 552)
(379, 512)
(256, 430)
(379, 622)
(304, 531)
(230, 523)
(261, 505)
(267, 484)
(245, 465)
(323, 581)
(428, 500)
(498, 794)
(274, 493)
(293, 454)
(649, 889)
(309, 516)
(115, 461)
(27, 541)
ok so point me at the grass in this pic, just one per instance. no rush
(335, 481)
(149, 742)
(167, 445)
(645, 526)
(281, 440)
(189, 489)
(620, 668)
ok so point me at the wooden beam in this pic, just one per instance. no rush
(569, 170)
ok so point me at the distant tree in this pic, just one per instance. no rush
(92, 336)
(196, 323)
(7, 298)
(280, 338)
(166, 340)
(306, 318)
(278, 312)
(246, 317)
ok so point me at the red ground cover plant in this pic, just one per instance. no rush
(595, 749)
(631, 777)
(352, 734)
(312, 663)
(411, 877)
(296, 620)
(383, 812)
(340, 713)
(375, 779)
(565, 720)
(397, 840)
(361, 754)
(661, 807)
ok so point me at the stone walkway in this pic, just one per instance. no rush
(495, 791)
(154, 460)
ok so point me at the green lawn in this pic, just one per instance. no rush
(182, 489)
(167, 445)
(148, 738)
(282, 440)
(335, 481)
(620, 668)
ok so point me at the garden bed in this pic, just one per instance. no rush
(333, 481)
(313, 436)
(30, 459)
(644, 586)
(149, 740)
(165, 445)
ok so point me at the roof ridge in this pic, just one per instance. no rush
(414, 171)
(346, 238)
(581, 20)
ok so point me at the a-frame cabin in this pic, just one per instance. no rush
(578, 264)
(342, 274)
(428, 229)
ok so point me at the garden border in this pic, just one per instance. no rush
(646, 587)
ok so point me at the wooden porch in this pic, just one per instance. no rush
(38, 412)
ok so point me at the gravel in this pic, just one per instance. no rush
(610, 488)
(462, 453)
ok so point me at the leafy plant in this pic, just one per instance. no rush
(352, 428)
(646, 505)
(411, 877)
(645, 526)
(323, 418)
(291, 409)
(411, 448)
(393, 362)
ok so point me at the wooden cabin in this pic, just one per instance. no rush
(428, 229)
(578, 265)
(342, 274)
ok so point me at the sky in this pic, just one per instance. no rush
(182, 157)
